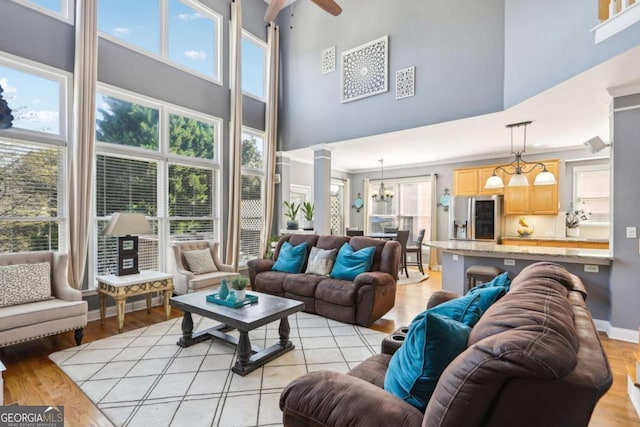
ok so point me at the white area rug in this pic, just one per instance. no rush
(142, 378)
(414, 277)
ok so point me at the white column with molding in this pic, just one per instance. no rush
(283, 168)
(322, 188)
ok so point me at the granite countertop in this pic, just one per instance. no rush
(490, 249)
(557, 239)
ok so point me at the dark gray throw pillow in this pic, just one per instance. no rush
(321, 261)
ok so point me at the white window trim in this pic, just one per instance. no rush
(574, 191)
(163, 159)
(164, 41)
(254, 39)
(66, 97)
(66, 15)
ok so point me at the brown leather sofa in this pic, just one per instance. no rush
(533, 359)
(361, 302)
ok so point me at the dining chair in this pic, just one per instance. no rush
(389, 229)
(402, 237)
(352, 233)
(416, 248)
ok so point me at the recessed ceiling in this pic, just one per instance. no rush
(564, 117)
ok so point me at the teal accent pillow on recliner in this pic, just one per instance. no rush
(435, 337)
(350, 263)
(492, 291)
(432, 342)
(291, 258)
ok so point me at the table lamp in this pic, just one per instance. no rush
(127, 225)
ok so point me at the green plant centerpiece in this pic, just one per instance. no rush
(292, 214)
(307, 211)
(239, 285)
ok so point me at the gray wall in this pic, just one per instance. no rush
(548, 42)
(625, 276)
(456, 47)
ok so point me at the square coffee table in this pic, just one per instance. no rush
(268, 309)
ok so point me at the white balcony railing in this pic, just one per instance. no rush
(615, 16)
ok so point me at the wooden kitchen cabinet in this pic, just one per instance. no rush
(555, 243)
(471, 181)
(465, 182)
(534, 199)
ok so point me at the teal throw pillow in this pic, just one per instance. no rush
(488, 295)
(350, 263)
(290, 258)
(432, 342)
(491, 291)
(466, 309)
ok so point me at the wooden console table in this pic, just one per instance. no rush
(123, 287)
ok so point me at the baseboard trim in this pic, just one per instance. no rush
(128, 308)
(612, 332)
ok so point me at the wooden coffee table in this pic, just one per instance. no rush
(268, 309)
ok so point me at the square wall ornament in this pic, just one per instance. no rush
(364, 70)
(405, 82)
(329, 60)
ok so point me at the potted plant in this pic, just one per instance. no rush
(572, 221)
(307, 211)
(292, 214)
(239, 284)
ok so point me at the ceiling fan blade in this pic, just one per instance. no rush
(273, 9)
(329, 5)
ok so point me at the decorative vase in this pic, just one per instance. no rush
(307, 224)
(573, 232)
(292, 225)
(232, 296)
(241, 295)
(223, 292)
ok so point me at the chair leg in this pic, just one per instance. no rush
(404, 265)
(419, 256)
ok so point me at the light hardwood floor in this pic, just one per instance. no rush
(32, 379)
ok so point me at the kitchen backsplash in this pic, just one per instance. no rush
(552, 226)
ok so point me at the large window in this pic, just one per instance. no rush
(33, 157)
(183, 32)
(62, 9)
(410, 208)
(591, 187)
(254, 65)
(159, 160)
(251, 194)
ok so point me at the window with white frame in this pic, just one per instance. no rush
(33, 157)
(155, 159)
(251, 194)
(254, 65)
(184, 32)
(62, 9)
(591, 189)
(410, 208)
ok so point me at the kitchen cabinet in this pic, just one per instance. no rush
(465, 182)
(534, 199)
(555, 243)
(471, 181)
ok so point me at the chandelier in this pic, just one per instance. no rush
(382, 195)
(518, 168)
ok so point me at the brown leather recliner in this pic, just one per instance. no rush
(533, 359)
(361, 302)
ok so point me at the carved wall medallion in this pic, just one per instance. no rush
(405, 82)
(364, 70)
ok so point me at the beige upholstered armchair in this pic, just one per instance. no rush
(187, 279)
(37, 300)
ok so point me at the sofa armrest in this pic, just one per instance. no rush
(256, 266)
(60, 287)
(438, 297)
(373, 278)
(216, 260)
(326, 398)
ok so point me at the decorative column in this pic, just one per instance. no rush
(283, 168)
(322, 188)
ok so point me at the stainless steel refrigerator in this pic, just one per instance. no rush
(475, 218)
